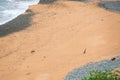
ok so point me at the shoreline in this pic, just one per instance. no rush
(97, 66)
(106, 5)
(7, 21)
(50, 40)
(15, 24)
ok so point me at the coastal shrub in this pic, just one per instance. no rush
(102, 75)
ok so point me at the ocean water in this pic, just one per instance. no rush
(10, 9)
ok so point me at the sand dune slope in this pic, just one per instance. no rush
(59, 38)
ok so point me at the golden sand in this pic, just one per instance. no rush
(50, 40)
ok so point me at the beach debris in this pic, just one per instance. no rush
(32, 51)
(84, 51)
(113, 59)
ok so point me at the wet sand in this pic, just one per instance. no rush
(50, 40)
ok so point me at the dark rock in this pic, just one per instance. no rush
(32, 51)
(110, 5)
(80, 73)
(113, 59)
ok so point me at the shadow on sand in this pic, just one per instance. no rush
(110, 5)
(17, 24)
(85, 1)
(46, 1)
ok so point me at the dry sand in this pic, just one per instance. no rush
(48, 41)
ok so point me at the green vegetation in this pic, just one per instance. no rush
(102, 75)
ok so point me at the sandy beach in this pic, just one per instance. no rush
(50, 40)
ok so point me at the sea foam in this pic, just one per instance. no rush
(10, 9)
